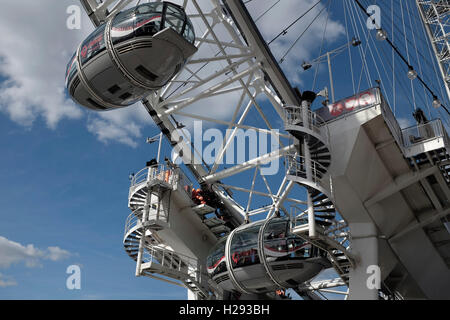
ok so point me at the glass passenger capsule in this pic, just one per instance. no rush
(242, 263)
(137, 51)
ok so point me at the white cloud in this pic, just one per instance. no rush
(222, 107)
(6, 281)
(126, 125)
(33, 58)
(34, 50)
(56, 254)
(13, 252)
(286, 12)
(34, 53)
(122, 125)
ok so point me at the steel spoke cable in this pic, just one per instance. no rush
(402, 86)
(368, 38)
(364, 66)
(403, 58)
(267, 11)
(285, 30)
(416, 49)
(397, 51)
(394, 93)
(320, 52)
(407, 54)
(434, 62)
(303, 33)
(349, 50)
(424, 38)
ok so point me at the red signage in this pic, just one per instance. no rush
(361, 100)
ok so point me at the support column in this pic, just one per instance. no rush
(366, 273)
(191, 295)
(147, 205)
(311, 216)
(306, 103)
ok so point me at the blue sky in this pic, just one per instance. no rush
(64, 170)
(62, 188)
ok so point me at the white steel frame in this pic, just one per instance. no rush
(436, 18)
(243, 67)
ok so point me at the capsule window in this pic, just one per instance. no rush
(174, 18)
(114, 89)
(143, 71)
(175, 22)
(145, 8)
(93, 45)
(244, 247)
(159, 7)
(189, 33)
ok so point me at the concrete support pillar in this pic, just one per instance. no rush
(365, 278)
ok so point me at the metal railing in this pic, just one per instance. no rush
(157, 172)
(419, 133)
(133, 220)
(391, 121)
(298, 116)
(164, 257)
(172, 260)
(338, 230)
(173, 176)
(297, 166)
(185, 183)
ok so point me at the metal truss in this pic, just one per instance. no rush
(232, 69)
(231, 84)
(435, 16)
(322, 288)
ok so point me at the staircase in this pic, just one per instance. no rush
(308, 168)
(217, 226)
(425, 146)
(149, 199)
(157, 259)
(156, 182)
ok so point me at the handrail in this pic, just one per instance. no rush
(158, 172)
(422, 132)
(172, 260)
(297, 164)
(133, 220)
(171, 175)
(295, 113)
(391, 120)
(162, 256)
(295, 116)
